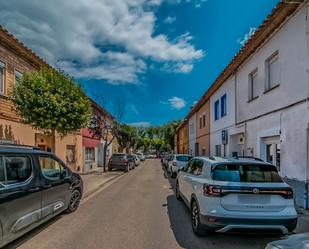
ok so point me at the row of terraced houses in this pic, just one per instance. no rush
(80, 150)
(259, 105)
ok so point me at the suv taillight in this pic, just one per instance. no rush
(126, 162)
(212, 191)
(288, 193)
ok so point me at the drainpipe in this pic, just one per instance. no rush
(306, 192)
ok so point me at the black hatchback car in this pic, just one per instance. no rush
(34, 187)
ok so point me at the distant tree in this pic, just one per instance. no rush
(50, 100)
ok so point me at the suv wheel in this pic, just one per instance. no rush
(178, 196)
(74, 201)
(195, 220)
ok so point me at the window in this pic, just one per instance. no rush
(14, 169)
(183, 158)
(246, 173)
(70, 154)
(272, 71)
(195, 167)
(89, 154)
(218, 150)
(50, 167)
(252, 85)
(201, 122)
(204, 120)
(2, 71)
(18, 76)
(217, 110)
(223, 105)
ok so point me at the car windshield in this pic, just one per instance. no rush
(183, 158)
(246, 173)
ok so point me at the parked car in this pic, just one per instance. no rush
(141, 156)
(228, 195)
(166, 159)
(137, 161)
(34, 187)
(177, 162)
(295, 241)
(121, 161)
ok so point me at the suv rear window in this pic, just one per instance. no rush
(246, 173)
(183, 158)
(118, 156)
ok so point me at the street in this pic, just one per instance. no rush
(138, 211)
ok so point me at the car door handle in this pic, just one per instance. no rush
(35, 189)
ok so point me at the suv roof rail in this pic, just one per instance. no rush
(13, 145)
(249, 157)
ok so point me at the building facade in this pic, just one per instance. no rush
(15, 59)
(259, 104)
(93, 147)
(272, 101)
(203, 129)
(192, 134)
(226, 138)
(183, 138)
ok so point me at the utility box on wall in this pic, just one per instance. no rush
(224, 137)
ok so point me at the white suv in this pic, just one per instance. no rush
(177, 162)
(229, 195)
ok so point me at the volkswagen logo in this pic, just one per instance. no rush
(255, 191)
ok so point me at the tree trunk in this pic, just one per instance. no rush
(53, 138)
(104, 157)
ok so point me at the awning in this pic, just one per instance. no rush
(90, 142)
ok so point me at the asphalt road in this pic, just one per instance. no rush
(138, 211)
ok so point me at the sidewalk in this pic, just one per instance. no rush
(95, 180)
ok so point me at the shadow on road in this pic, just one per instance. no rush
(23, 239)
(180, 221)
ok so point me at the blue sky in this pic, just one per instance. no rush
(158, 55)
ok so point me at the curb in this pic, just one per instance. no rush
(86, 195)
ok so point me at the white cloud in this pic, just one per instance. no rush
(170, 19)
(177, 103)
(179, 67)
(97, 39)
(246, 37)
(140, 124)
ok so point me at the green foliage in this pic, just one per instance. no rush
(50, 100)
(154, 137)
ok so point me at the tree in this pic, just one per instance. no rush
(106, 127)
(50, 100)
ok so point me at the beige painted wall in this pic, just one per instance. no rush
(24, 134)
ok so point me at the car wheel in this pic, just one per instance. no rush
(195, 220)
(178, 196)
(74, 201)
